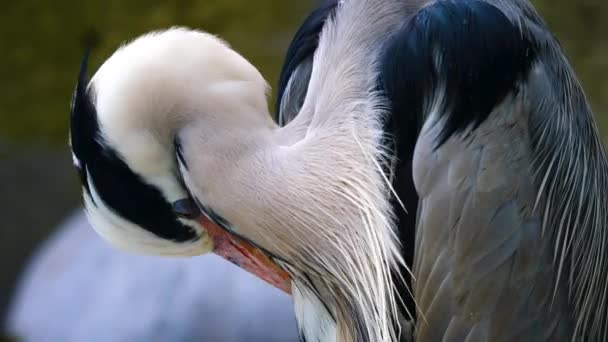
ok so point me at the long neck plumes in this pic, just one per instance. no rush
(314, 193)
(348, 219)
(319, 205)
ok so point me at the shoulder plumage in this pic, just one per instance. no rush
(297, 67)
(468, 49)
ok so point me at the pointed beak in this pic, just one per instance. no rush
(246, 256)
(236, 250)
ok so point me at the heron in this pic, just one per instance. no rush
(434, 171)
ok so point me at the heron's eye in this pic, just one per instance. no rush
(186, 208)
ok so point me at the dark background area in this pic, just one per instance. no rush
(42, 43)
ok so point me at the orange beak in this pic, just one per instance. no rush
(246, 256)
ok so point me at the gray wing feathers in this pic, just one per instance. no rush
(295, 92)
(481, 261)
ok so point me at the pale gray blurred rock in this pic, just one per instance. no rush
(79, 289)
(39, 188)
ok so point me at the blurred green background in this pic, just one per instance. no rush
(43, 41)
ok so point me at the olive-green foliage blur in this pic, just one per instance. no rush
(582, 28)
(43, 42)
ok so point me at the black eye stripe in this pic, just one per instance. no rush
(117, 185)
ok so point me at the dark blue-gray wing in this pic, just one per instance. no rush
(297, 67)
(483, 270)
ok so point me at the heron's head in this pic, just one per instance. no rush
(124, 124)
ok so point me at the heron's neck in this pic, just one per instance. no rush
(314, 198)
(313, 193)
